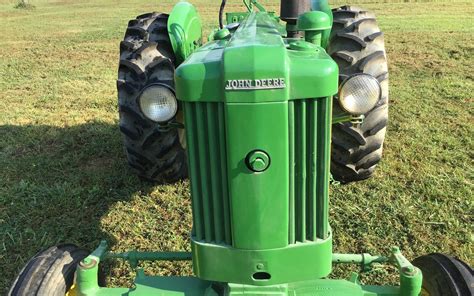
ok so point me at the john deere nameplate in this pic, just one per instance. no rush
(254, 84)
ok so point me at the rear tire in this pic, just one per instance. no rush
(357, 46)
(445, 276)
(146, 57)
(50, 272)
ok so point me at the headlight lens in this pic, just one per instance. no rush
(359, 94)
(158, 103)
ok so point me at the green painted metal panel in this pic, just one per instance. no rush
(259, 199)
(255, 51)
(300, 171)
(208, 171)
(235, 17)
(297, 262)
(291, 170)
(223, 172)
(193, 159)
(185, 30)
(323, 123)
(190, 286)
(309, 140)
(313, 288)
(153, 285)
(312, 74)
(200, 77)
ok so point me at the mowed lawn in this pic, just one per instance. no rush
(64, 178)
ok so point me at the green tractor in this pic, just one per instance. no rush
(260, 118)
(155, 44)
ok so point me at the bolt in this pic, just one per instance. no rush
(258, 164)
(258, 161)
(409, 270)
(260, 266)
(87, 263)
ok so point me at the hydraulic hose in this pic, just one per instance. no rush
(221, 14)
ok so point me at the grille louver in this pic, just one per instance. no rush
(207, 169)
(309, 131)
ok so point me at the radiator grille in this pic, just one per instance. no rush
(206, 145)
(309, 152)
(309, 131)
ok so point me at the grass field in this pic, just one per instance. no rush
(63, 176)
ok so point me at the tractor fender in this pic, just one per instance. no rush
(185, 30)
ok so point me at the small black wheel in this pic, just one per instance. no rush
(50, 272)
(357, 46)
(445, 275)
(146, 57)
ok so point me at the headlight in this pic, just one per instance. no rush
(158, 103)
(359, 94)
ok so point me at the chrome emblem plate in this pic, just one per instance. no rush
(255, 84)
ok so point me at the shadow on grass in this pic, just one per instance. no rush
(55, 185)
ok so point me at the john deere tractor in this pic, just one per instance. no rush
(259, 117)
(156, 44)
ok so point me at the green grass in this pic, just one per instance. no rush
(63, 175)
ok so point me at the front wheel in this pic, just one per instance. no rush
(445, 276)
(50, 272)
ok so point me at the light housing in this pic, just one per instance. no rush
(158, 103)
(359, 94)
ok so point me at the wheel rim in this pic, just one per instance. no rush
(72, 291)
(424, 292)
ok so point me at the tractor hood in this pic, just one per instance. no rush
(256, 65)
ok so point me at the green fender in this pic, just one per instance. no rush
(185, 30)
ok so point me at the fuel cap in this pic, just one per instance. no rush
(258, 161)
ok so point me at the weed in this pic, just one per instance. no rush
(24, 4)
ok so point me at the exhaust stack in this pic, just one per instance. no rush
(291, 9)
(289, 12)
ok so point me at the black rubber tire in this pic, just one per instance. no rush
(146, 57)
(357, 46)
(445, 276)
(50, 272)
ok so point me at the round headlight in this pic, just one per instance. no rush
(359, 94)
(158, 103)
